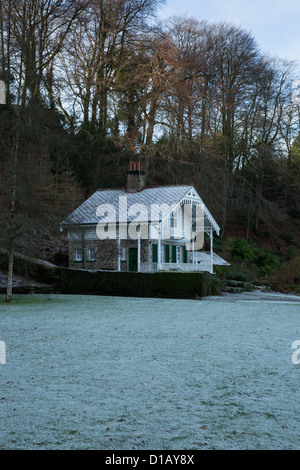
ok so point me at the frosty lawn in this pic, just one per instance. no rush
(122, 373)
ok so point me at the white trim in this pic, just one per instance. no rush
(211, 250)
(119, 254)
(159, 245)
(139, 254)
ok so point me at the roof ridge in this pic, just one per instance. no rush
(150, 187)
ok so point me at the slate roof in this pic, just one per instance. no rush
(204, 257)
(86, 213)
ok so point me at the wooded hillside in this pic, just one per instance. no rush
(92, 84)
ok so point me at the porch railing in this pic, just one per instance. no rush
(183, 267)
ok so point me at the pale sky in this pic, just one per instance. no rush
(275, 24)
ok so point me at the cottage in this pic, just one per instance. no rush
(141, 229)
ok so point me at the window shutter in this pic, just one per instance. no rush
(167, 254)
(185, 255)
(154, 253)
(174, 254)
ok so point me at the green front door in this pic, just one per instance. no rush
(133, 259)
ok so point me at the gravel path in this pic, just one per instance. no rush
(256, 295)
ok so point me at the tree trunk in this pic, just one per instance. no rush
(12, 228)
(203, 113)
(151, 121)
(9, 288)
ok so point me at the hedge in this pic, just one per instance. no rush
(75, 281)
(160, 284)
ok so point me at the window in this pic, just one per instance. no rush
(178, 254)
(91, 254)
(78, 255)
(123, 254)
(173, 219)
(161, 253)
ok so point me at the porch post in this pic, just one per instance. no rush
(139, 254)
(158, 249)
(193, 245)
(211, 250)
(82, 248)
(119, 253)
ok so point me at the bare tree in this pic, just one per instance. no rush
(96, 54)
(38, 29)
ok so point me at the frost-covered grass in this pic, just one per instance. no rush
(122, 373)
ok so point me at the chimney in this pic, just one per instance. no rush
(135, 178)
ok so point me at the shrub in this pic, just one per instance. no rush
(289, 273)
(241, 249)
(266, 261)
(237, 276)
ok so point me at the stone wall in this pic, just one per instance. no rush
(106, 254)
